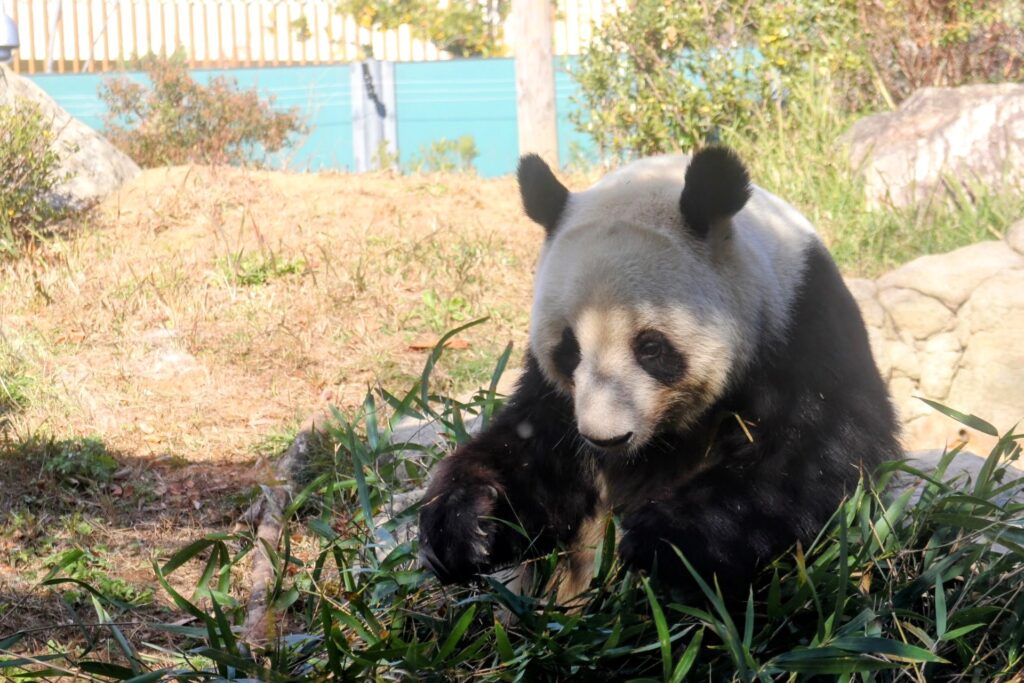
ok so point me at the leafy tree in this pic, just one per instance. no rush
(666, 75)
(465, 28)
(661, 74)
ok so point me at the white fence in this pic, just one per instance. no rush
(101, 35)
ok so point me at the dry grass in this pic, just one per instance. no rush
(146, 336)
(203, 313)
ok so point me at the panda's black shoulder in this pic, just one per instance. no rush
(820, 380)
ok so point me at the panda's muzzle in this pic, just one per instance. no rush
(613, 442)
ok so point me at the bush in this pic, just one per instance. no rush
(668, 75)
(445, 156)
(175, 120)
(915, 44)
(29, 173)
(461, 28)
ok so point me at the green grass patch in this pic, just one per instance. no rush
(891, 590)
(253, 270)
(77, 463)
(15, 388)
(85, 574)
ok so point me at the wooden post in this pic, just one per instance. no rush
(535, 79)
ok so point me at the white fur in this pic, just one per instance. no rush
(622, 260)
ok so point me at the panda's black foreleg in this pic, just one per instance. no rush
(725, 522)
(516, 491)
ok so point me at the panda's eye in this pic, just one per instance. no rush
(656, 354)
(649, 345)
(649, 349)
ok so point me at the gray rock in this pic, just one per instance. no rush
(962, 470)
(951, 277)
(96, 168)
(953, 332)
(916, 314)
(973, 134)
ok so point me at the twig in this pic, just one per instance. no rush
(266, 515)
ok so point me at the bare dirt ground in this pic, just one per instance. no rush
(200, 315)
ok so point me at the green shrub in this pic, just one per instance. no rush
(78, 462)
(29, 174)
(445, 156)
(670, 75)
(464, 28)
(175, 120)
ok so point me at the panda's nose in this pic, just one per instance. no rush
(609, 443)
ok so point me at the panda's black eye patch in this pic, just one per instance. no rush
(656, 355)
(567, 354)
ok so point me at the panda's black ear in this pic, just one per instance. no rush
(717, 187)
(544, 197)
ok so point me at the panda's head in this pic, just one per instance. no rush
(638, 313)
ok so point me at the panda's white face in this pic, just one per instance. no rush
(638, 316)
(633, 324)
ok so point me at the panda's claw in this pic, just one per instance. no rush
(456, 534)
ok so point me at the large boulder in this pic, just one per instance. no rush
(972, 135)
(950, 328)
(95, 167)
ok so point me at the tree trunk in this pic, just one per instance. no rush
(535, 79)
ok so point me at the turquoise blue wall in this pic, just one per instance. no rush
(475, 97)
(434, 100)
(449, 99)
(320, 92)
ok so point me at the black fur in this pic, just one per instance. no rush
(566, 355)
(717, 186)
(656, 354)
(544, 197)
(523, 469)
(819, 414)
(815, 406)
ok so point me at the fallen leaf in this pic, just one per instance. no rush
(427, 344)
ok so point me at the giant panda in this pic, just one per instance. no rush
(696, 368)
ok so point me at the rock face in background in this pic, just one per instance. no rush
(973, 134)
(950, 328)
(95, 167)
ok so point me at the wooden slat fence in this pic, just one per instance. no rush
(59, 36)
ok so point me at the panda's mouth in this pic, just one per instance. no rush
(614, 443)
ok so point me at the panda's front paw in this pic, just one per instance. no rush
(457, 529)
(647, 538)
